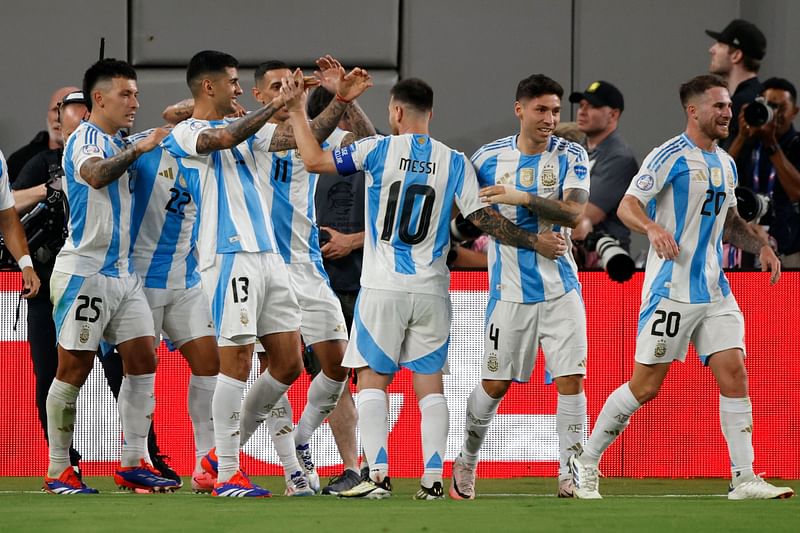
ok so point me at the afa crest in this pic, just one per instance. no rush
(526, 177)
(548, 177)
(661, 348)
(492, 364)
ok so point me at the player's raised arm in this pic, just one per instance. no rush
(631, 213)
(565, 212)
(315, 159)
(99, 172)
(236, 132)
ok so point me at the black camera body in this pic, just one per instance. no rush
(758, 113)
(752, 206)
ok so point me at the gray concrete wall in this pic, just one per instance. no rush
(473, 52)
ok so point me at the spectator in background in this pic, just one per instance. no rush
(612, 164)
(736, 56)
(767, 161)
(49, 139)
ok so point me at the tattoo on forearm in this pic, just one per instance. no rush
(324, 124)
(502, 229)
(236, 132)
(740, 234)
(559, 212)
(359, 122)
(101, 172)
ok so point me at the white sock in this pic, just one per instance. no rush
(201, 394)
(61, 407)
(481, 408)
(225, 408)
(373, 420)
(434, 427)
(323, 395)
(262, 397)
(612, 421)
(281, 430)
(570, 417)
(736, 420)
(136, 402)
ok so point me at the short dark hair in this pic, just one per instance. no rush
(698, 85)
(780, 84)
(207, 62)
(415, 93)
(105, 70)
(318, 100)
(266, 66)
(538, 85)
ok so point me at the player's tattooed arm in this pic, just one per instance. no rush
(360, 124)
(565, 212)
(502, 229)
(236, 132)
(322, 126)
(741, 234)
(99, 172)
(179, 112)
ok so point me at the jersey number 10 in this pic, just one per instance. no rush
(409, 200)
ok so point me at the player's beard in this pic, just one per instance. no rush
(716, 132)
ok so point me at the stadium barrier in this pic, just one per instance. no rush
(676, 435)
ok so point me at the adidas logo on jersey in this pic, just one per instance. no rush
(168, 173)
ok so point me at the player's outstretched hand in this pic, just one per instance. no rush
(353, 84)
(504, 194)
(770, 261)
(152, 140)
(329, 73)
(293, 91)
(662, 242)
(30, 283)
(551, 245)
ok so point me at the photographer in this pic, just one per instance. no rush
(767, 160)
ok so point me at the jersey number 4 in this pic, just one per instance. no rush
(405, 220)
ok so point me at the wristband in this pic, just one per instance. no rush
(342, 100)
(25, 262)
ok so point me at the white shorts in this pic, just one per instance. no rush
(89, 309)
(393, 329)
(514, 331)
(251, 296)
(322, 318)
(667, 326)
(181, 314)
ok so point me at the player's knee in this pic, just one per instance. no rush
(569, 385)
(495, 388)
(646, 392)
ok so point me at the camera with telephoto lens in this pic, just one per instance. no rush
(758, 113)
(614, 259)
(752, 206)
(45, 225)
(461, 231)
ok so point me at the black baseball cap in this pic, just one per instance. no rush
(743, 35)
(75, 97)
(599, 94)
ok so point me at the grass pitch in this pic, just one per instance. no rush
(521, 504)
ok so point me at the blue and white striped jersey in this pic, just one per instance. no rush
(411, 183)
(518, 274)
(688, 192)
(291, 202)
(99, 219)
(233, 201)
(164, 221)
(6, 198)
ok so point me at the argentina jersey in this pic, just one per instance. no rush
(98, 224)
(233, 208)
(688, 192)
(164, 221)
(411, 183)
(518, 274)
(6, 198)
(291, 202)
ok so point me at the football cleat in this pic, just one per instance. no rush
(160, 464)
(462, 486)
(370, 490)
(209, 462)
(239, 486)
(67, 483)
(436, 492)
(297, 485)
(344, 481)
(307, 462)
(585, 479)
(143, 478)
(566, 488)
(203, 482)
(758, 489)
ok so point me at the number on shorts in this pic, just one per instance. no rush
(671, 321)
(178, 200)
(494, 335)
(405, 235)
(88, 303)
(239, 286)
